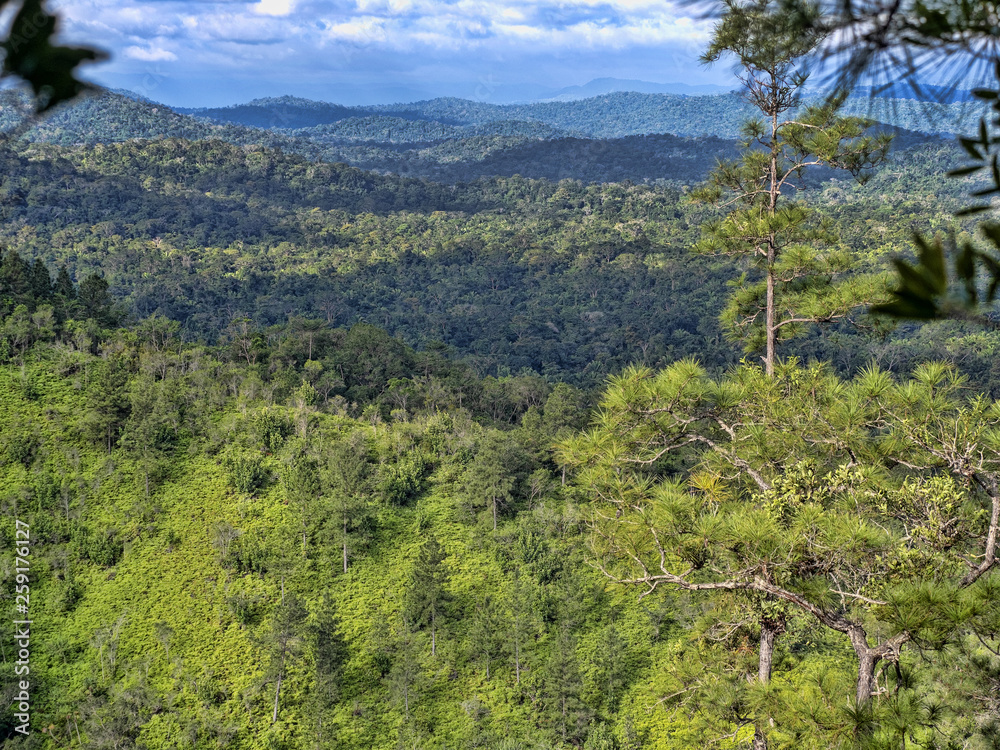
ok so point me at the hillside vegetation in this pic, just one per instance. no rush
(319, 457)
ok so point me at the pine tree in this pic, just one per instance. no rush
(15, 283)
(489, 479)
(96, 302)
(427, 597)
(404, 675)
(565, 710)
(151, 424)
(346, 494)
(780, 236)
(486, 641)
(284, 642)
(525, 624)
(108, 400)
(839, 501)
(330, 654)
(303, 488)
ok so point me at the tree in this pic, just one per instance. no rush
(15, 282)
(404, 676)
(778, 235)
(890, 45)
(562, 686)
(427, 598)
(284, 641)
(303, 489)
(609, 668)
(346, 491)
(490, 477)
(486, 641)
(64, 288)
(108, 399)
(151, 426)
(95, 301)
(524, 621)
(115, 718)
(837, 501)
(330, 652)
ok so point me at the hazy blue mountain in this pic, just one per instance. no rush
(614, 137)
(613, 115)
(276, 112)
(600, 86)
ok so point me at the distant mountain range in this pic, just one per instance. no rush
(613, 115)
(497, 92)
(611, 137)
(600, 86)
(488, 91)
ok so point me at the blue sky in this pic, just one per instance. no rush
(217, 52)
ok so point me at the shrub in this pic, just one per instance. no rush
(246, 470)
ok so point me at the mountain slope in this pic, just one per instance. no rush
(612, 115)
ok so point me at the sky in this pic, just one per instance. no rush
(220, 52)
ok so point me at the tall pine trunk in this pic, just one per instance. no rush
(277, 692)
(768, 635)
(770, 332)
(769, 632)
(868, 659)
(769, 354)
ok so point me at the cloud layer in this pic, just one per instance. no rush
(221, 51)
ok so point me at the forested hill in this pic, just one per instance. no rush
(564, 279)
(259, 522)
(405, 144)
(310, 459)
(608, 116)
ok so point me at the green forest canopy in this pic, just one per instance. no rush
(309, 460)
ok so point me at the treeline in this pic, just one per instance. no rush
(386, 130)
(35, 307)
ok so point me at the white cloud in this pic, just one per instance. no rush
(371, 40)
(274, 7)
(149, 54)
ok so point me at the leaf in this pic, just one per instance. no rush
(907, 309)
(993, 268)
(30, 55)
(932, 262)
(970, 147)
(992, 232)
(965, 270)
(972, 210)
(965, 170)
